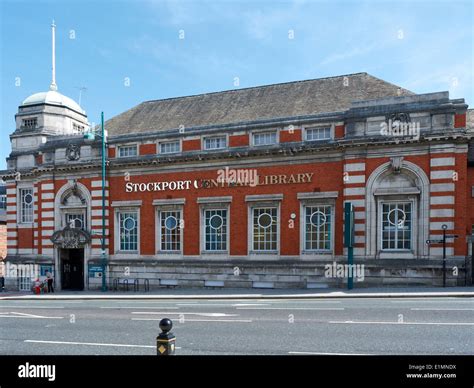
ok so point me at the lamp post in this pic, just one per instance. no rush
(103, 136)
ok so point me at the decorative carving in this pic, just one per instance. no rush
(70, 238)
(398, 117)
(74, 195)
(396, 164)
(73, 152)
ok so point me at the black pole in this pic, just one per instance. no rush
(444, 257)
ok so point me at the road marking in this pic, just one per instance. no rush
(142, 307)
(438, 309)
(291, 308)
(178, 313)
(27, 316)
(250, 304)
(432, 300)
(333, 354)
(31, 307)
(198, 320)
(91, 344)
(405, 323)
(202, 304)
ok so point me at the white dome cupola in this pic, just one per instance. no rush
(48, 113)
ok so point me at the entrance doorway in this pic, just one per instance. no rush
(72, 269)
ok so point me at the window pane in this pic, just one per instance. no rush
(396, 225)
(75, 220)
(127, 151)
(318, 220)
(170, 223)
(318, 133)
(169, 147)
(265, 229)
(26, 199)
(215, 227)
(213, 143)
(128, 222)
(265, 138)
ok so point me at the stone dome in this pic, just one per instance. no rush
(54, 98)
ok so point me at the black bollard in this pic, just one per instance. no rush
(165, 342)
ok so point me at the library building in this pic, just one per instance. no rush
(244, 188)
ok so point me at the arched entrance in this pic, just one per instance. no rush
(72, 238)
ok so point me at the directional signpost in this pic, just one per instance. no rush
(443, 241)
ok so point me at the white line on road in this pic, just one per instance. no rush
(178, 313)
(404, 323)
(91, 344)
(433, 300)
(204, 304)
(199, 320)
(438, 309)
(32, 307)
(27, 316)
(290, 308)
(332, 354)
(142, 307)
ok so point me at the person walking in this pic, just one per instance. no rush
(49, 278)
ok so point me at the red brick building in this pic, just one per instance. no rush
(246, 188)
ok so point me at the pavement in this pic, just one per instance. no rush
(269, 325)
(228, 293)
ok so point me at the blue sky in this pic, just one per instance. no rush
(424, 46)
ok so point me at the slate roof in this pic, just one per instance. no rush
(299, 98)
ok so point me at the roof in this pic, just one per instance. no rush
(54, 98)
(299, 98)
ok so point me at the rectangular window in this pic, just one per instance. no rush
(265, 229)
(77, 128)
(215, 226)
(126, 151)
(26, 205)
(396, 226)
(170, 227)
(29, 123)
(264, 138)
(170, 147)
(318, 133)
(3, 201)
(75, 220)
(318, 223)
(128, 225)
(215, 143)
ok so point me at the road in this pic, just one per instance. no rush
(366, 326)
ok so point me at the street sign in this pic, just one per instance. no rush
(95, 271)
(434, 241)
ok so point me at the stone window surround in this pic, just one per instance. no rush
(209, 203)
(124, 206)
(170, 140)
(204, 138)
(305, 128)
(317, 199)
(421, 226)
(127, 145)
(160, 205)
(19, 188)
(258, 201)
